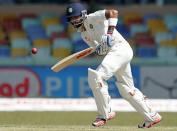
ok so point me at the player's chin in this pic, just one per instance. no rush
(77, 25)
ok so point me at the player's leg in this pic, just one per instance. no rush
(100, 91)
(115, 59)
(135, 97)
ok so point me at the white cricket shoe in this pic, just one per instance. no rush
(147, 124)
(100, 122)
(111, 115)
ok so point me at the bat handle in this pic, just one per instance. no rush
(96, 43)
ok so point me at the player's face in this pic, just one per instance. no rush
(76, 21)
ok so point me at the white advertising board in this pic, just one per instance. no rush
(159, 82)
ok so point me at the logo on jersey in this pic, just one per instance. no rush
(87, 38)
(70, 10)
(91, 26)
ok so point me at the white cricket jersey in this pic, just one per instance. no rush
(96, 25)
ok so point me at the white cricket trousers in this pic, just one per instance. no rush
(117, 63)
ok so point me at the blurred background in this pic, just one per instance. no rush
(150, 26)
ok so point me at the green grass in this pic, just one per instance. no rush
(78, 121)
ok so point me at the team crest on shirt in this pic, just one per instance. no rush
(91, 26)
(87, 38)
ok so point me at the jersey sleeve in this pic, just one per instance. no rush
(99, 14)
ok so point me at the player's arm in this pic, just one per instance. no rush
(107, 38)
(112, 17)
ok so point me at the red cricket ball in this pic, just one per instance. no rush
(34, 50)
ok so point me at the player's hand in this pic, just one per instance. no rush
(107, 39)
(102, 49)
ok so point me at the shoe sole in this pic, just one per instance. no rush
(105, 121)
(158, 121)
(98, 125)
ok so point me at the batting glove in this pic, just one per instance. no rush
(107, 39)
(102, 49)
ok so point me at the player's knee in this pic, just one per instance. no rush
(125, 92)
(94, 79)
(131, 94)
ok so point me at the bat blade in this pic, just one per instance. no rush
(72, 59)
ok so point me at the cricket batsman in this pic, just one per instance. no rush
(100, 26)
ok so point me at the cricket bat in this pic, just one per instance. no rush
(72, 59)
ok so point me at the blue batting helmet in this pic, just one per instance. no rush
(76, 9)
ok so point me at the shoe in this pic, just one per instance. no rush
(100, 122)
(111, 115)
(148, 124)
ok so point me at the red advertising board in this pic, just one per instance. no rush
(19, 82)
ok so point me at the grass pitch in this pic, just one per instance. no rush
(78, 121)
